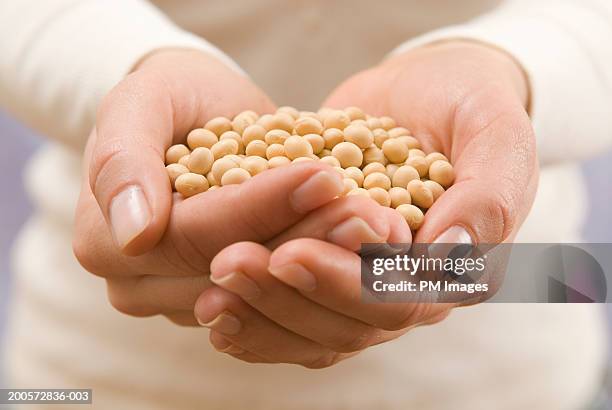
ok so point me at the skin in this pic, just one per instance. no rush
(463, 99)
(164, 269)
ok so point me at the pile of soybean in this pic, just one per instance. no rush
(375, 157)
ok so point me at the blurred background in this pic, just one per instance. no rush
(19, 144)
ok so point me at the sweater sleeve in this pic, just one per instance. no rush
(565, 48)
(60, 57)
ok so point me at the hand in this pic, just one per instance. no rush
(153, 249)
(303, 303)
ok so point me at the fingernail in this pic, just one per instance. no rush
(295, 275)
(319, 189)
(352, 233)
(455, 234)
(129, 215)
(239, 284)
(442, 246)
(225, 323)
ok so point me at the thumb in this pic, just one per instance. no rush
(126, 167)
(495, 185)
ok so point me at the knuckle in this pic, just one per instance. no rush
(120, 299)
(82, 253)
(324, 361)
(251, 216)
(355, 342)
(406, 317)
(295, 249)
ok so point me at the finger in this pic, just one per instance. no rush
(204, 224)
(185, 318)
(486, 203)
(138, 120)
(224, 345)
(348, 222)
(245, 327)
(242, 268)
(256, 210)
(150, 295)
(331, 277)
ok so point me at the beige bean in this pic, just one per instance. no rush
(418, 163)
(415, 152)
(225, 147)
(211, 179)
(398, 132)
(293, 112)
(190, 184)
(442, 172)
(252, 133)
(380, 195)
(410, 142)
(348, 154)
(276, 137)
(373, 154)
(413, 215)
(380, 136)
(316, 142)
(200, 160)
(355, 113)
(254, 165)
(419, 193)
(325, 153)
(435, 156)
(336, 119)
(219, 125)
(275, 150)
(302, 159)
(395, 151)
(201, 137)
(359, 135)
(175, 153)
(332, 137)
(221, 166)
(256, 147)
(278, 161)
(387, 122)
(174, 170)
(435, 188)
(330, 160)
(373, 167)
(359, 191)
(184, 161)
(390, 170)
(403, 175)
(377, 179)
(296, 147)
(349, 185)
(241, 122)
(235, 176)
(355, 174)
(399, 196)
(308, 125)
(374, 123)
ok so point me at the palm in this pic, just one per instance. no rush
(462, 105)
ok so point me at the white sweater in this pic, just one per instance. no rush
(59, 57)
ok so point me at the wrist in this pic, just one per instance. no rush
(172, 56)
(509, 66)
(489, 58)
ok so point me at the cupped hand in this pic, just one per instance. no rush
(154, 249)
(301, 303)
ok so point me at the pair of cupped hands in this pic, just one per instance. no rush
(270, 266)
